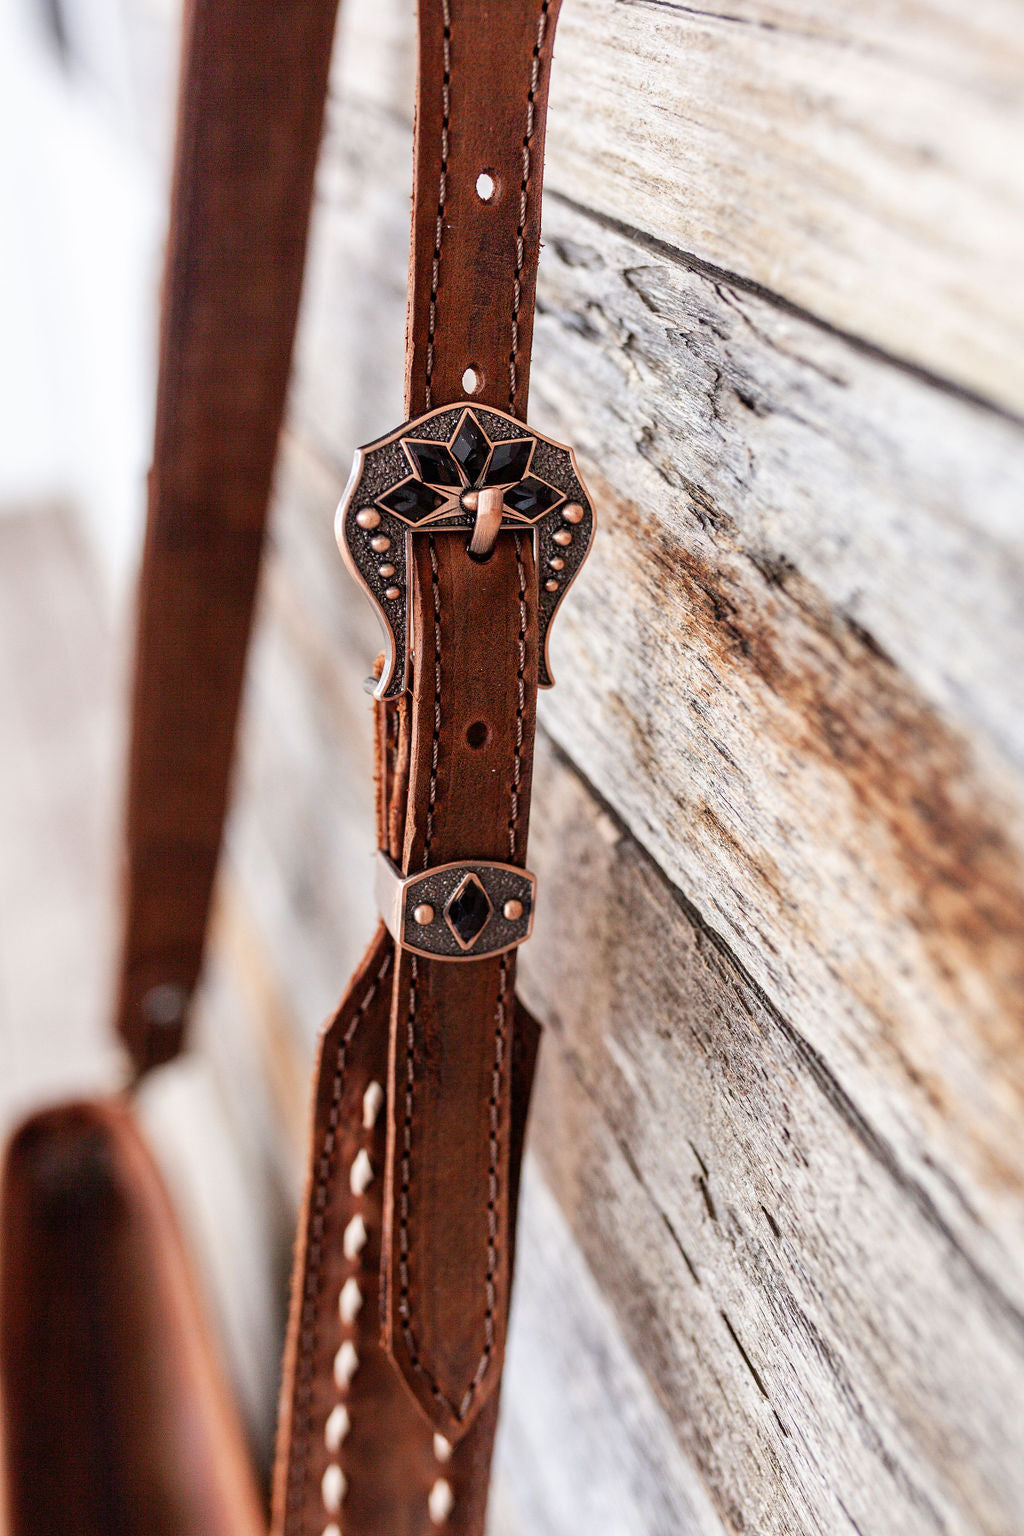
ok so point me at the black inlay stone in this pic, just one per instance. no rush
(509, 462)
(412, 500)
(531, 497)
(469, 911)
(470, 449)
(435, 463)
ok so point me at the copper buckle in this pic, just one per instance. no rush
(462, 468)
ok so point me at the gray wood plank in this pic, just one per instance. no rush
(864, 163)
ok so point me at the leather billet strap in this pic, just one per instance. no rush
(481, 111)
(253, 85)
(401, 1285)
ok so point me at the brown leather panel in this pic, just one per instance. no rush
(484, 67)
(387, 1456)
(253, 87)
(446, 1223)
(115, 1419)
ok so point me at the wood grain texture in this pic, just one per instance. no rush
(864, 164)
(779, 799)
(791, 669)
(830, 1353)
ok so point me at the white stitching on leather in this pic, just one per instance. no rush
(297, 1471)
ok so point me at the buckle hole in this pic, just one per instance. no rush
(478, 734)
(485, 186)
(472, 379)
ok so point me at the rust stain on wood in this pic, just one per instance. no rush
(944, 860)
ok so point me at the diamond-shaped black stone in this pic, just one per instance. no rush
(469, 910)
(509, 461)
(412, 500)
(470, 449)
(531, 497)
(435, 463)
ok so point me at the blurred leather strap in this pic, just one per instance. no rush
(253, 85)
(401, 1284)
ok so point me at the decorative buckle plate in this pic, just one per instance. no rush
(462, 911)
(428, 476)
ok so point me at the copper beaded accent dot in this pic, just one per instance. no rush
(368, 518)
(423, 914)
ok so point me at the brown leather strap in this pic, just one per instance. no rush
(446, 1218)
(343, 1405)
(481, 110)
(424, 1073)
(114, 1415)
(483, 81)
(253, 86)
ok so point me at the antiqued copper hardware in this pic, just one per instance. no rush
(476, 907)
(489, 509)
(462, 468)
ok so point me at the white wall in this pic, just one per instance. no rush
(82, 214)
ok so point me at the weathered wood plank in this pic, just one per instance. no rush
(780, 1099)
(830, 1353)
(865, 163)
(711, 1164)
(571, 1383)
(790, 664)
(890, 1347)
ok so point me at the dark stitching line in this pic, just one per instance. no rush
(312, 1288)
(502, 1013)
(410, 1071)
(517, 767)
(435, 745)
(446, 80)
(524, 193)
(502, 1007)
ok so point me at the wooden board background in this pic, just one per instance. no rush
(772, 1264)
